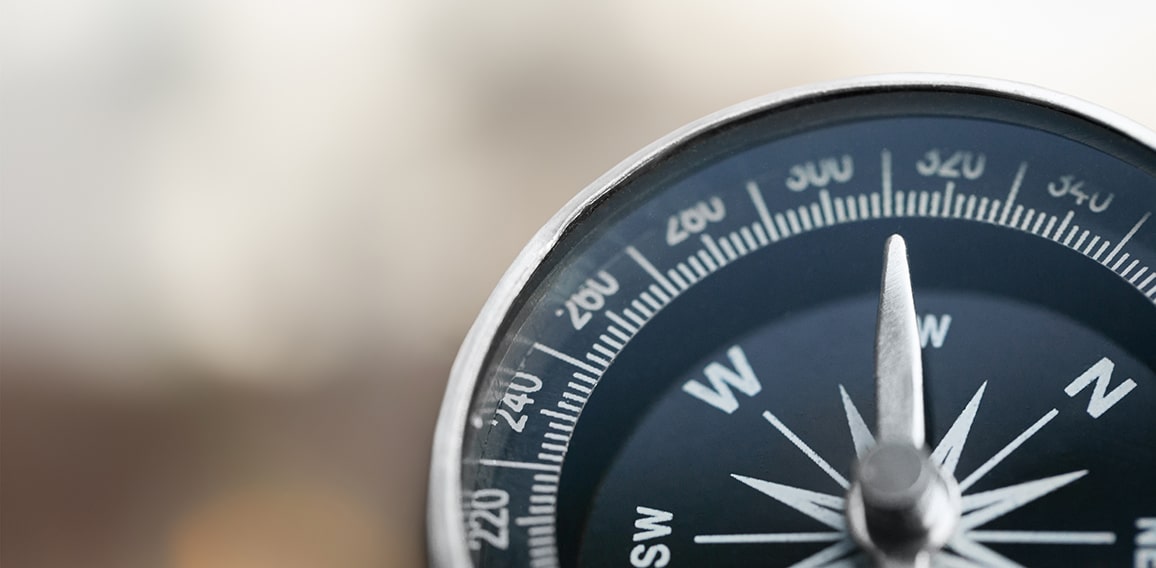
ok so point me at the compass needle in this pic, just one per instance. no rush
(898, 366)
(902, 507)
(857, 293)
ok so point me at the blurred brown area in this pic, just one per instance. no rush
(240, 241)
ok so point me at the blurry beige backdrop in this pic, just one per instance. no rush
(242, 239)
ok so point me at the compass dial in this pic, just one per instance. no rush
(895, 322)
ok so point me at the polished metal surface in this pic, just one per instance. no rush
(898, 368)
(901, 507)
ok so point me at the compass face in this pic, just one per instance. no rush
(683, 369)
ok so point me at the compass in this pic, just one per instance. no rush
(897, 321)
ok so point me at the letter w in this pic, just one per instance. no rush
(651, 524)
(933, 330)
(719, 394)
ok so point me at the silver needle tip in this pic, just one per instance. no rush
(898, 366)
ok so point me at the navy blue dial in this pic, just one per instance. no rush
(1051, 472)
(684, 373)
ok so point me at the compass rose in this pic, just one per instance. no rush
(934, 523)
(966, 546)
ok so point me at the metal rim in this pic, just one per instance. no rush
(446, 537)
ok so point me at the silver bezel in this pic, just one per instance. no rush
(447, 539)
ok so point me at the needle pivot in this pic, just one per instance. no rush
(901, 506)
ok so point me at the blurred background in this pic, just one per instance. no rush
(241, 240)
